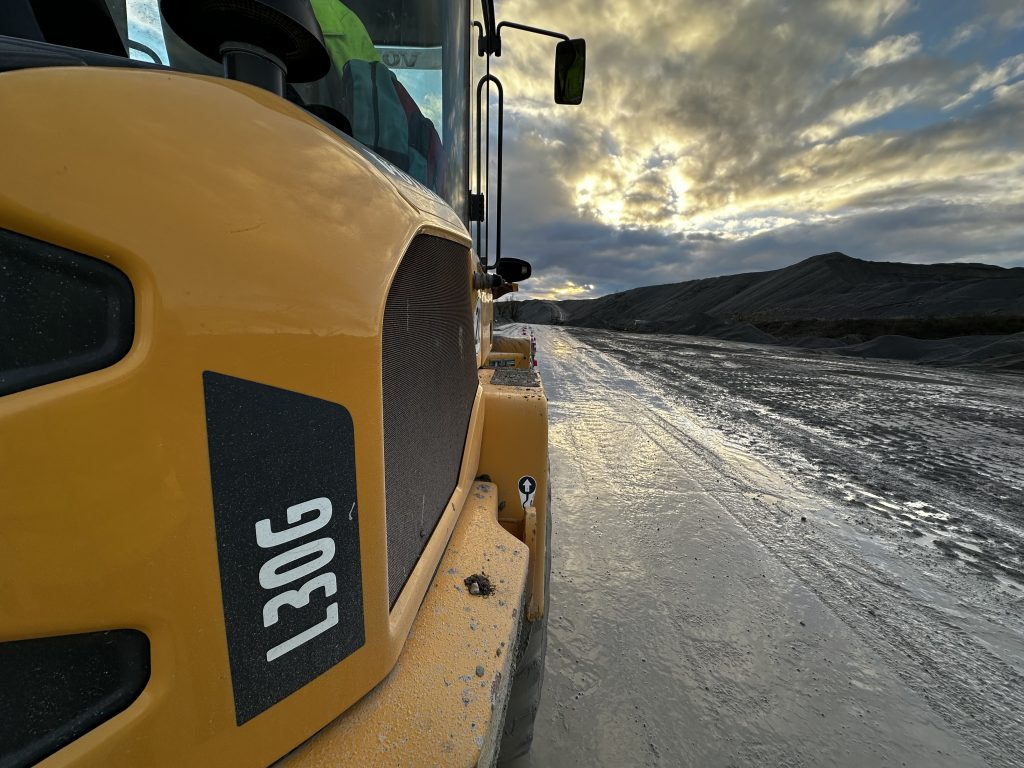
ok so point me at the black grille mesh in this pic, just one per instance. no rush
(429, 378)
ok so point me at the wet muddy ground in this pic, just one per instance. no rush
(766, 557)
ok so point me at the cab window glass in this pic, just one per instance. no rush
(398, 84)
(145, 32)
(398, 81)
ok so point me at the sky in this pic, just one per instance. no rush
(725, 136)
(743, 135)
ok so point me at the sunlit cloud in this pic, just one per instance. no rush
(1009, 69)
(1010, 94)
(874, 105)
(869, 15)
(887, 51)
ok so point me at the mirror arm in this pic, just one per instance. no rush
(487, 37)
(489, 78)
(496, 49)
(481, 39)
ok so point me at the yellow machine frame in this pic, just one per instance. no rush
(262, 247)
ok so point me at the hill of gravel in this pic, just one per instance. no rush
(831, 302)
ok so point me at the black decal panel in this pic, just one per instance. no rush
(283, 470)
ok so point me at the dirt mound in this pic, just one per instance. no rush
(1006, 353)
(950, 314)
(923, 350)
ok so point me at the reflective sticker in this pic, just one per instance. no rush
(527, 490)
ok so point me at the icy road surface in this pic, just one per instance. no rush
(764, 557)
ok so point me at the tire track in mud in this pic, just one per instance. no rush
(949, 436)
(935, 650)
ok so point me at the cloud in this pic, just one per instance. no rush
(1008, 69)
(559, 287)
(964, 34)
(929, 233)
(710, 131)
(869, 105)
(887, 51)
(1010, 94)
(869, 15)
(987, 80)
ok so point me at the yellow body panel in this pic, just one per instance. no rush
(509, 350)
(436, 708)
(260, 245)
(515, 445)
(505, 344)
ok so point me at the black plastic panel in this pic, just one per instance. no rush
(16, 53)
(62, 314)
(283, 463)
(429, 380)
(54, 689)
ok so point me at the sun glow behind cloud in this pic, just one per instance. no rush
(563, 289)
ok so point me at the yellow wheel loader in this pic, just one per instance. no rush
(264, 497)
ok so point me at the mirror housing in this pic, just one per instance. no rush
(570, 71)
(513, 270)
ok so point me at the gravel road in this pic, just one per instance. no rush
(763, 557)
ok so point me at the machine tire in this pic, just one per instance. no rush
(528, 678)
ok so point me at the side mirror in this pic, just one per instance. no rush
(570, 69)
(513, 270)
